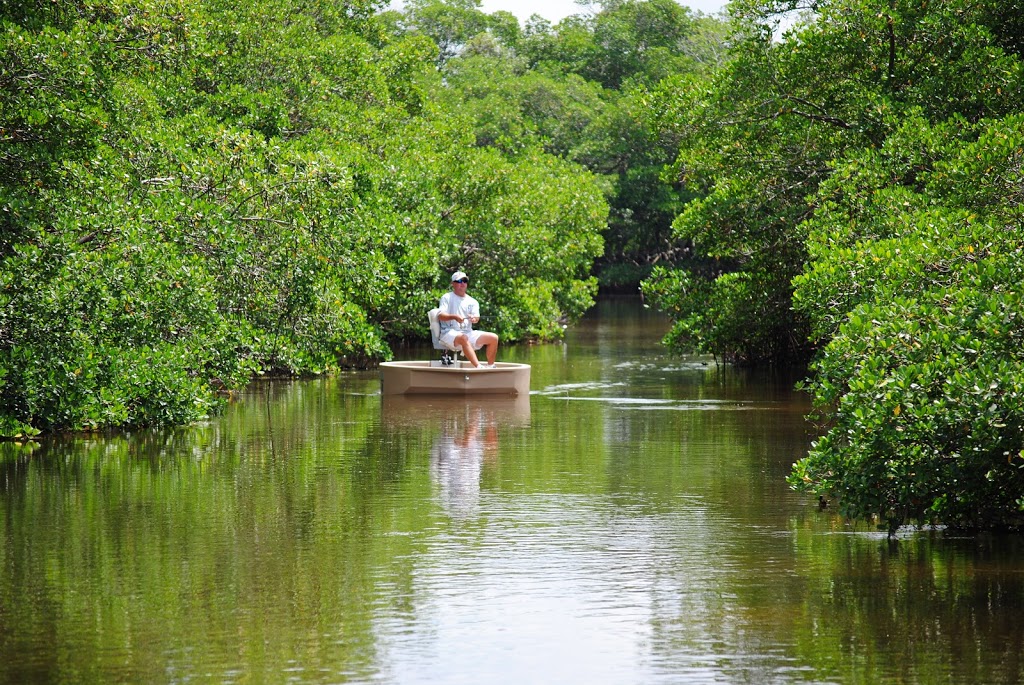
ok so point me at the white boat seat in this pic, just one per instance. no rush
(449, 354)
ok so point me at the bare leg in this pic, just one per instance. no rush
(491, 341)
(467, 349)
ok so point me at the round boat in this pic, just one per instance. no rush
(461, 378)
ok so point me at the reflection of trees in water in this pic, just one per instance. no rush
(927, 608)
(466, 442)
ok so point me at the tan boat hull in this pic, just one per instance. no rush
(430, 378)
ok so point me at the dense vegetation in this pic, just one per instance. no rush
(193, 193)
(581, 91)
(862, 185)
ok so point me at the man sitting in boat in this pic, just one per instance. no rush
(458, 312)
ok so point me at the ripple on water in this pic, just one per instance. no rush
(553, 583)
(565, 388)
(672, 405)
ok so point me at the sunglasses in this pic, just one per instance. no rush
(461, 280)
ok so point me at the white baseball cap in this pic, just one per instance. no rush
(459, 275)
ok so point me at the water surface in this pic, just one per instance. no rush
(626, 523)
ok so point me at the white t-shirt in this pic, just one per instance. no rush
(466, 307)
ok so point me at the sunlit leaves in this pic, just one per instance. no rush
(268, 186)
(766, 131)
(915, 285)
(869, 162)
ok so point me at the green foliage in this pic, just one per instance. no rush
(535, 261)
(579, 89)
(194, 194)
(42, 125)
(112, 335)
(514, 110)
(453, 24)
(633, 40)
(915, 286)
(927, 397)
(628, 144)
(745, 228)
(714, 315)
(860, 180)
(764, 132)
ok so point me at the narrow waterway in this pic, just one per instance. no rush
(628, 522)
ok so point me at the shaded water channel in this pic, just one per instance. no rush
(626, 523)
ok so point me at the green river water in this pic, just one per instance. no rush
(628, 522)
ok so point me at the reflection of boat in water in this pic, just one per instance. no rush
(459, 378)
(439, 409)
(467, 435)
(457, 459)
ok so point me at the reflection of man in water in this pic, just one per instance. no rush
(457, 457)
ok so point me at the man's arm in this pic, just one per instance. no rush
(443, 315)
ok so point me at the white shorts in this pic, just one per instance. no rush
(449, 336)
